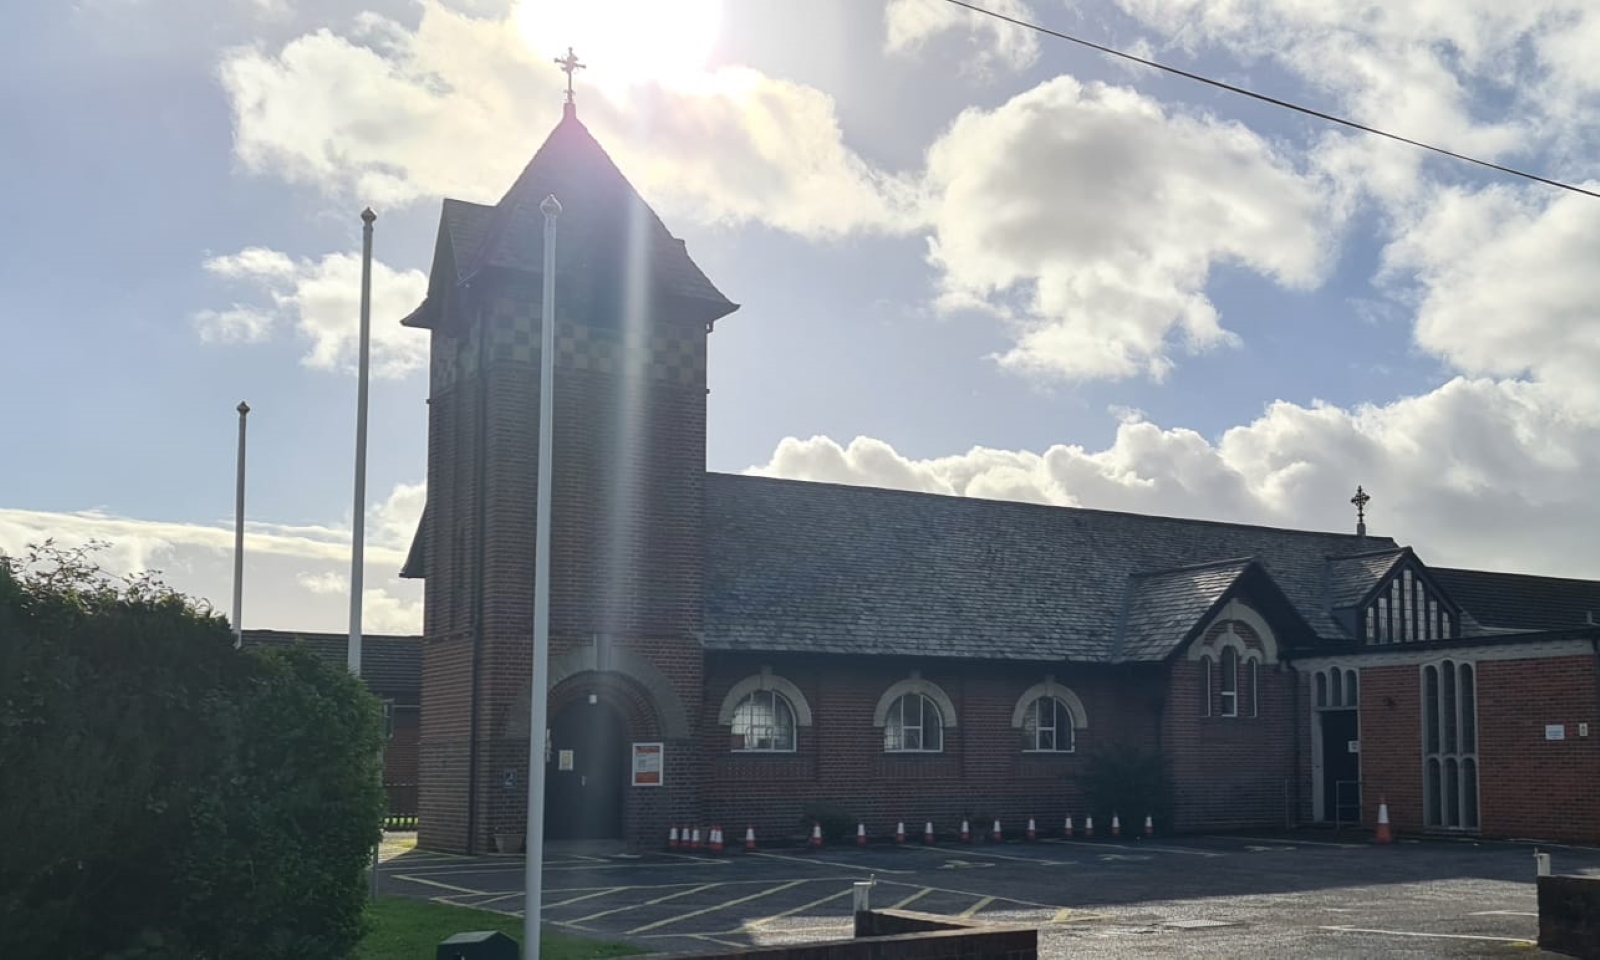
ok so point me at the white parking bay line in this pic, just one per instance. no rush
(830, 863)
(715, 907)
(1437, 936)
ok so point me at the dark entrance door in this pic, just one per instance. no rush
(1340, 766)
(586, 774)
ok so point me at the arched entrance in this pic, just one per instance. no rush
(586, 773)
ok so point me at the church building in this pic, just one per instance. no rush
(748, 651)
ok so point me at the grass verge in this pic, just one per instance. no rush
(404, 928)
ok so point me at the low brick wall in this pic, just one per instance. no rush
(1569, 916)
(905, 935)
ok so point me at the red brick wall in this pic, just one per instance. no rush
(981, 771)
(1528, 786)
(629, 455)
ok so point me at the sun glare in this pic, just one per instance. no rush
(627, 41)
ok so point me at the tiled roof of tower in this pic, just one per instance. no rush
(599, 228)
(1513, 601)
(795, 566)
(1163, 607)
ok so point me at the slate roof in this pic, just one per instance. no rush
(1163, 607)
(1351, 578)
(601, 222)
(391, 665)
(817, 567)
(1513, 601)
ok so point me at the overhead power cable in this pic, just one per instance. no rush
(1287, 105)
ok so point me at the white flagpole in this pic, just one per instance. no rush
(238, 535)
(539, 693)
(359, 517)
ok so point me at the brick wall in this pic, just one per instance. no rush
(1231, 772)
(629, 455)
(981, 772)
(1391, 745)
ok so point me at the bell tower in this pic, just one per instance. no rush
(631, 319)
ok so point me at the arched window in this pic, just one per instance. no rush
(913, 725)
(763, 714)
(1047, 726)
(1230, 682)
(764, 722)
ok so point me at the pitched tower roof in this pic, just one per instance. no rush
(608, 235)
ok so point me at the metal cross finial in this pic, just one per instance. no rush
(570, 64)
(1361, 499)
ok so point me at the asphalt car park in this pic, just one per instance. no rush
(1279, 896)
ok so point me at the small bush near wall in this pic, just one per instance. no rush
(1131, 783)
(165, 795)
(837, 823)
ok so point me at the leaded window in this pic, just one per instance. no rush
(1048, 727)
(763, 722)
(913, 725)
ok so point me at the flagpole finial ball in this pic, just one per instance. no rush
(243, 408)
(551, 207)
(367, 216)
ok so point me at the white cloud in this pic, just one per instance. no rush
(296, 577)
(321, 300)
(380, 114)
(1091, 217)
(1508, 284)
(1483, 473)
(910, 24)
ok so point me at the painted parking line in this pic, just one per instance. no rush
(1147, 847)
(1504, 913)
(912, 899)
(1520, 941)
(832, 863)
(587, 896)
(444, 886)
(712, 909)
(634, 906)
(1291, 844)
(975, 908)
(801, 909)
(990, 855)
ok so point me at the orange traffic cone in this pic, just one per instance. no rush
(694, 839)
(1383, 835)
(997, 837)
(672, 839)
(900, 832)
(1088, 826)
(1066, 831)
(1116, 826)
(927, 833)
(816, 836)
(861, 834)
(750, 837)
(1033, 832)
(1149, 826)
(716, 839)
(966, 833)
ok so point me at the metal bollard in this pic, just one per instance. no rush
(863, 896)
(1541, 863)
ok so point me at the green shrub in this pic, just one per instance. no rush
(837, 823)
(1131, 783)
(166, 795)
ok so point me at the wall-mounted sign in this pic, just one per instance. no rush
(564, 761)
(648, 764)
(1352, 746)
(1555, 731)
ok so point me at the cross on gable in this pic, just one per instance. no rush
(570, 64)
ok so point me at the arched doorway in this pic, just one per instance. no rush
(587, 772)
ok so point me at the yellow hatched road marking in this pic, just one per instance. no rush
(721, 906)
(912, 899)
(789, 913)
(647, 903)
(976, 907)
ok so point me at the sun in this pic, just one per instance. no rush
(627, 41)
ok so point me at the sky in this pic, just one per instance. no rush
(970, 258)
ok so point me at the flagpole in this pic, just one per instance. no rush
(238, 534)
(359, 516)
(539, 692)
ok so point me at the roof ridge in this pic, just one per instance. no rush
(1028, 504)
(1202, 565)
(1366, 554)
(1519, 576)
